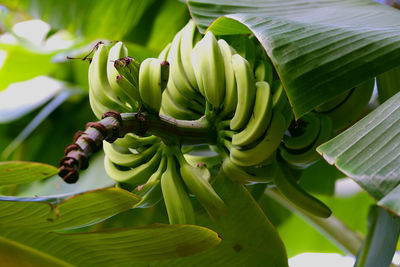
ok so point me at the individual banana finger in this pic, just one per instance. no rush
(246, 92)
(177, 201)
(164, 54)
(248, 175)
(302, 157)
(260, 118)
(201, 188)
(151, 192)
(202, 155)
(230, 100)
(178, 75)
(186, 46)
(244, 46)
(209, 70)
(153, 78)
(131, 140)
(264, 71)
(303, 133)
(295, 194)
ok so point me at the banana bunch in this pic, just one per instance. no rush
(240, 97)
(257, 128)
(154, 171)
(212, 75)
(347, 108)
(118, 82)
(113, 79)
(303, 137)
(182, 98)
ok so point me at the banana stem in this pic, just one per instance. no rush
(347, 240)
(181, 131)
(115, 125)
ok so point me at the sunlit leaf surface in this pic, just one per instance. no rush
(19, 172)
(114, 247)
(64, 211)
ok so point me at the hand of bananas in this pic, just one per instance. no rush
(239, 95)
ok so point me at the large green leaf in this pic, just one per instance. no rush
(380, 243)
(114, 247)
(99, 19)
(16, 254)
(369, 153)
(64, 211)
(320, 48)
(248, 237)
(18, 172)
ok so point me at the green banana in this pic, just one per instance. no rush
(201, 188)
(151, 192)
(177, 201)
(133, 176)
(202, 155)
(230, 100)
(131, 140)
(177, 70)
(121, 87)
(164, 54)
(295, 194)
(186, 46)
(303, 156)
(244, 46)
(153, 78)
(182, 101)
(260, 119)
(303, 132)
(173, 109)
(97, 107)
(101, 95)
(248, 175)
(262, 150)
(264, 71)
(209, 70)
(128, 68)
(129, 159)
(246, 92)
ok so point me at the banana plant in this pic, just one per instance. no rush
(235, 110)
